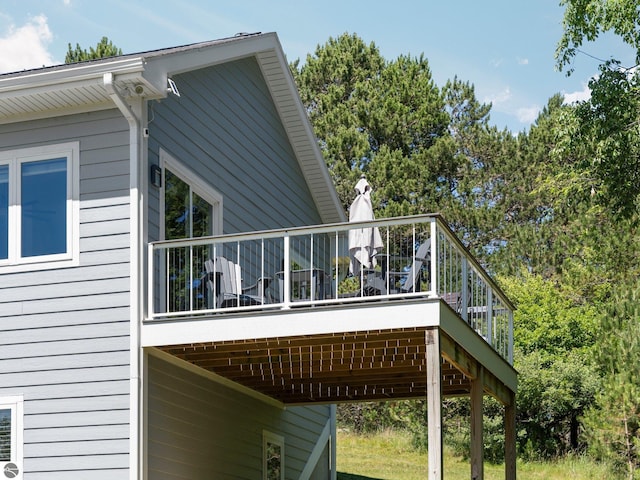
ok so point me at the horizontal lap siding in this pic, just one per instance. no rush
(200, 429)
(65, 332)
(225, 127)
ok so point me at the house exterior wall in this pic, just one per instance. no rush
(225, 127)
(201, 429)
(64, 343)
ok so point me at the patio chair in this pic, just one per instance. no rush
(400, 281)
(225, 281)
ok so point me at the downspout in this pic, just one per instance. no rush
(136, 470)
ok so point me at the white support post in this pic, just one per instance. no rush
(477, 453)
(490, 316)
(336, 275)
(312, 278)
(510, 337)
(464, 294)
(434, 403)
(434, 260)
(151, 309)
(286, 273)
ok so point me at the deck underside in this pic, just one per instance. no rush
(355, 366)
(320, 355)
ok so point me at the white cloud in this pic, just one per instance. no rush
(528, 115)
(522, 61)
(67, 3)
(579, 96)
(499, 97)
(26, 46)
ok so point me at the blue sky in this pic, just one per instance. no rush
(504, 48)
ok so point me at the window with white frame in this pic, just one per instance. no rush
(39, 205)
(272, 456)
(191, 208)
(11, 436)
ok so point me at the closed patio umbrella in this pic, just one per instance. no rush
(364, 243)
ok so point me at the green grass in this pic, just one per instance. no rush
(389, 456)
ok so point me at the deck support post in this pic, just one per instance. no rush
(477, 453)
(434, 403)
(510, 438)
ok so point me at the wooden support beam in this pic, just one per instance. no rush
(510, 439)
(477, 453)
(434, 403)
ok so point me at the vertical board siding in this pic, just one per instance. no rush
(201, 429)
(225, 127)
(64, 342)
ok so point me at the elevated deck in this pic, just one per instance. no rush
(423, 319)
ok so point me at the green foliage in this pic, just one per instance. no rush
(378, 416)
(612, 425)
(547, 320)
(104, 48)
(552, 210)
(385, 119)
(587, 19)
(554, 339)
(608, 134)
(457, 428)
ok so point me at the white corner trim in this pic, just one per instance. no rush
(312, 461)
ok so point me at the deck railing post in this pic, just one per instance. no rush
(510, 347)
(490, 315)
(151, 284)
(434, 259)
(286, 272)
(336, 272)
(311, 266)
(464, 294)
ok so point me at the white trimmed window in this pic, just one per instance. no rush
(11, 440)
(39, 189)
(272, 456)
(191, 208)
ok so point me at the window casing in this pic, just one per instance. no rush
(39, 207)
(272, 456)
(11, 436)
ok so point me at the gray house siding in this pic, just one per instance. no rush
(201, 429)
(64, 342)
(225, 128)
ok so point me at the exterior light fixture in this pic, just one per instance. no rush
(156, 176)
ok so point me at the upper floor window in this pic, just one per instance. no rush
(192, 208)
(39, 204)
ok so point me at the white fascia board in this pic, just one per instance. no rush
(310, 134)
(159, 68)
(291, 323)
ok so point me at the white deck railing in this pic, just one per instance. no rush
(418, 256)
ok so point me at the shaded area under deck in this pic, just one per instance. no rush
(373, 351)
